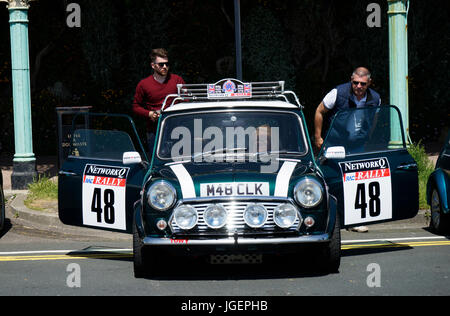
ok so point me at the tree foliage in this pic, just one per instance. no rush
(264, 59)
(312, 45)
(100, 41)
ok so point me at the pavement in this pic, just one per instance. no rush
(48, 220)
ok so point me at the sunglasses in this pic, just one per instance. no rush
(356, 83)
(163, 64)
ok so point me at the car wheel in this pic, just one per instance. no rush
(330, 258)
(145, 258)
(139, 255)
(439, 221)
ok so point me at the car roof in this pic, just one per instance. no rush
(273, 104)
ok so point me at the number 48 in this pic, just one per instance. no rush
(96, 206)
(374, 199)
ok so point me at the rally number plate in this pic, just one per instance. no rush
(104, 189)
(367, 191)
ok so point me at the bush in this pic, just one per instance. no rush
(425, 168)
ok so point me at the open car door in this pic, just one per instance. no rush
(103, 174)
(368, 168)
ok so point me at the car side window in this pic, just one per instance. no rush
(102, 144)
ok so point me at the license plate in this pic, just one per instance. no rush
(234, 189)
(236, 259)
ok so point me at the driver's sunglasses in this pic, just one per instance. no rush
(363, 84)
(163, 64)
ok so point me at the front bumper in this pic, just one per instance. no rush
(237, 242)
(232, 241)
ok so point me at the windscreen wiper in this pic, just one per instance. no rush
(224, 151)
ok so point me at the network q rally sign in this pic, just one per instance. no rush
(367, 190)
(104, 196)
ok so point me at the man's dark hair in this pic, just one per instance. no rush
(158, 52)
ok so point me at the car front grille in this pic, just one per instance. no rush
(236, 223)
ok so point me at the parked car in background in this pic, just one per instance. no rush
(2, 203)
(438, 191)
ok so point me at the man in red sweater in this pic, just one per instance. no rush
(152, 91)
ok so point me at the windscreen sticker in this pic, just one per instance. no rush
(104, 192)
(367, 190)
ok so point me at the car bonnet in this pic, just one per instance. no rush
(190, 178)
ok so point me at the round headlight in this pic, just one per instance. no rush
(255, 215)
(161, 195)
(308, 192)
(285, 215)
(185, 217)
(215, 216)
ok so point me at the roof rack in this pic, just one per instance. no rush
(231, 89)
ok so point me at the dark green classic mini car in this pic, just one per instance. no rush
(233, 176)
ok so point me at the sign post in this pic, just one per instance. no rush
(398, 65)
(237, 31)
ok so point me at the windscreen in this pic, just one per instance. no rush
(219, 135)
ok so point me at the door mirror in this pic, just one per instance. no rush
(131, 157)
(335, 152)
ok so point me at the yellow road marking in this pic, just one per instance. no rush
(130, 255)
(65, 257)
(397, 244)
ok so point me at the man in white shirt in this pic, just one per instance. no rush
(355, 93)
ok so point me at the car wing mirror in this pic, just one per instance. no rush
(335, 152)
(131, 157)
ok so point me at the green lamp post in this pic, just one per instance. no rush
(24, 162)
(398, 64)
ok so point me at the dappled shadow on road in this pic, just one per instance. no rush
(287, 266)
(104, 255)
(102, 252)
(198, 268)
(302, 265)
(432, 231)
(373, 249)
(273, 267)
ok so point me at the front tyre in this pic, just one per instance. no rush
(139, 255)
(439, 221)
(330, 256)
